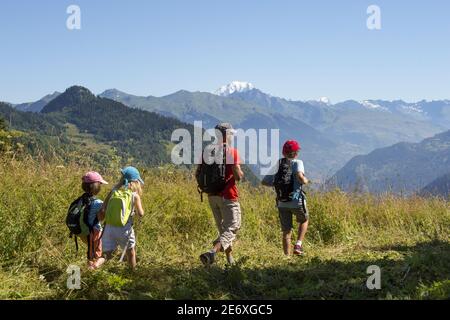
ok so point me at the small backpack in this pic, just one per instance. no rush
(211, 176)
(77, 217)
(283, 181)
(120, 208)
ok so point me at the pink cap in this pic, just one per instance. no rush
(92, 177)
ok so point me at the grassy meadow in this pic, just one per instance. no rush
(408, 238)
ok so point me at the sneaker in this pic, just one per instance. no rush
(298, 250)
(207, 258)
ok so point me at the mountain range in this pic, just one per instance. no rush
(37, 106)
(330, 134)
(79, 126)
(77, 118)
(401, 168)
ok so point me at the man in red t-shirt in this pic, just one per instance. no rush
(225, 205)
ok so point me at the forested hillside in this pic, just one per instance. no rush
(77, 125)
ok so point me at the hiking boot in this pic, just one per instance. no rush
(298, 250)
(207, 258)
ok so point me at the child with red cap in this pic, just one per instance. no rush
(288, 176)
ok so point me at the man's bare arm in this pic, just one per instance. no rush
(237, 172)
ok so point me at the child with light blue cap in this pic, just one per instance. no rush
(120, 206)
(131, 174)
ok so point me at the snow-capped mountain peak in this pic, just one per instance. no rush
(235, 86)
(324, 100)
(413, 108)
(373, 106)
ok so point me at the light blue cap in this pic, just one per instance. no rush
(131, 174)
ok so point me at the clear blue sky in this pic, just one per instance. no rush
(294, 49)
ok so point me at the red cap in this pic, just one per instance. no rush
(290, 146)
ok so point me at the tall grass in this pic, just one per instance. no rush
(347, 233)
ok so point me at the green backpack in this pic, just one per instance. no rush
(120, 207)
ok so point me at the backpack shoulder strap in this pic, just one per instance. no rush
(201, 193)
(87, 201)
(224, 151)
(133, 194)
(96, 221)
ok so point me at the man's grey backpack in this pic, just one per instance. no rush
(211, 176)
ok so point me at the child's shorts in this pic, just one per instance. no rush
(94, 244)
(286, 217)
(118, 236)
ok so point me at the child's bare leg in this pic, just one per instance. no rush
(302, 228)
(217, 247)
(228, 252)
(287, 242)
(131, 256)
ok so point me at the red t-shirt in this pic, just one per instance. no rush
(231, 191)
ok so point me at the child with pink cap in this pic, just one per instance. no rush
(91, 185)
